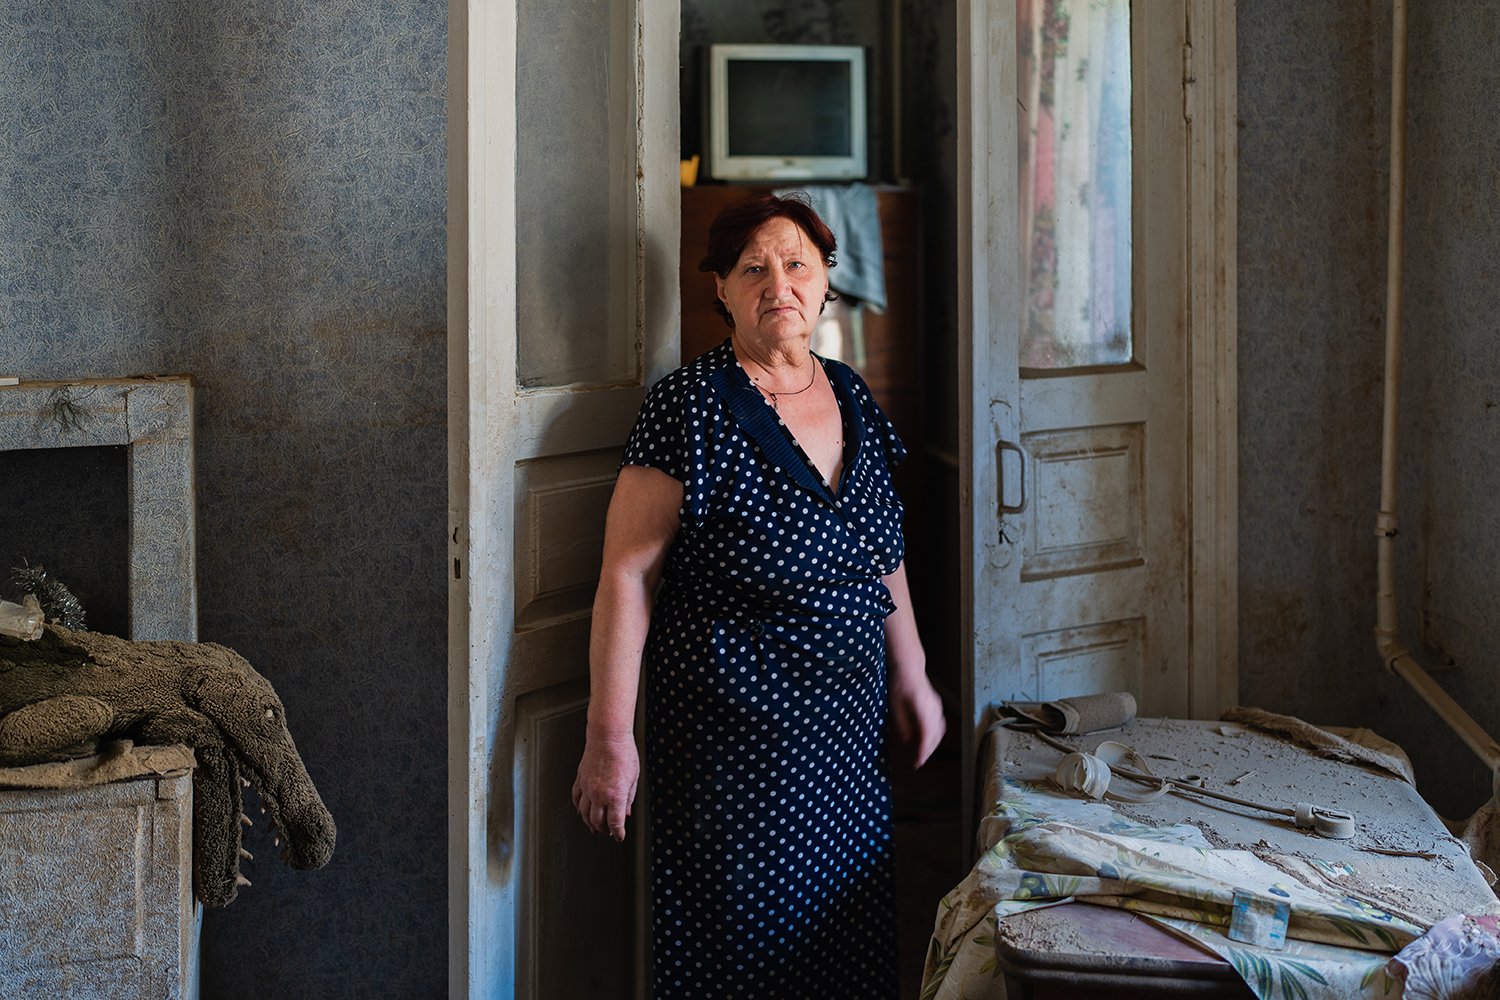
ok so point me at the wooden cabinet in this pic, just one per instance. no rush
(892, 354)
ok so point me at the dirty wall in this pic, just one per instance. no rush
(253, 194)
(1314, 105)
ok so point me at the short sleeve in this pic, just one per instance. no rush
(878, 426)
(657, 441)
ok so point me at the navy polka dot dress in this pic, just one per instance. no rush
(766, 696)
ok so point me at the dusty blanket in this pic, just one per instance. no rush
(1045, 847)
(1326, 743)
(117, 762)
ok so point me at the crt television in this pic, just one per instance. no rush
(786, 112)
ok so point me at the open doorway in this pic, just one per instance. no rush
(1119, 573)
(905, 348)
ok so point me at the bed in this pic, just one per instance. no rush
(1074, 895)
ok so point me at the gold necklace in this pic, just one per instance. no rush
(775, 403)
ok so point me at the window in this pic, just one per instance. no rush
(1074, 86)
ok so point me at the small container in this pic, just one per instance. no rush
(1259, 920)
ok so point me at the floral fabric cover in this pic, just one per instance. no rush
(1051, 848)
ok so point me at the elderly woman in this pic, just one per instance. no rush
(756, 491)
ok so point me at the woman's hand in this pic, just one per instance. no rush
(638, 531)
(604, 790)
(917, 723)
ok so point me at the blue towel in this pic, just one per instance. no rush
(853, 214)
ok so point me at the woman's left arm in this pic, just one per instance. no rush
(916, 710)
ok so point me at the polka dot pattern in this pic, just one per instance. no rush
(766, 696)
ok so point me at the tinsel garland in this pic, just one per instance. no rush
(57, 601)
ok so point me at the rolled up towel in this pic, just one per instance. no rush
(1088, 713)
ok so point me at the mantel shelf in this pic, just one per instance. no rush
(126, 380)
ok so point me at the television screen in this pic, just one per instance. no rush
(784, 107)
(786, 112)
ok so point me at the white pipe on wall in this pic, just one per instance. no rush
(1387, 627)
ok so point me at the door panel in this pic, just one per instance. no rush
(1089, 515)
(1079, 575)
(571, 926)
(563, 308)
(576, 197)
(1104, 543)
(581, 337)
(1107, 657)
(560, 505)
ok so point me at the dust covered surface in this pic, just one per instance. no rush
(1049, 931)
(1430, 876)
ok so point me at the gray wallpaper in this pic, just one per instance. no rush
(1314, 93)
(253, 193)
(1451, 389)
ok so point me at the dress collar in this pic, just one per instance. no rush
(761, 424)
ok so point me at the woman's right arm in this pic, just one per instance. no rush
(638, 531)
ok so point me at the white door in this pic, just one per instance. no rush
(1079, 284)
(563, 218)
(1099, 553)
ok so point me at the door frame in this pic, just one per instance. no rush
(482, 317)
(989, 318)
(1211, 104)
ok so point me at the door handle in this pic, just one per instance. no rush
(1001, 448)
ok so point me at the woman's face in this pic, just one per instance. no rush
(775, 290)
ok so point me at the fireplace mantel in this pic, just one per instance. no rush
(153, 417)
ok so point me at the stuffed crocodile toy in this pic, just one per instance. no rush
(65, 693)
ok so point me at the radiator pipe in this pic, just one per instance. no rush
(1396, 656)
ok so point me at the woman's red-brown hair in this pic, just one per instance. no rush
(732, 228)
